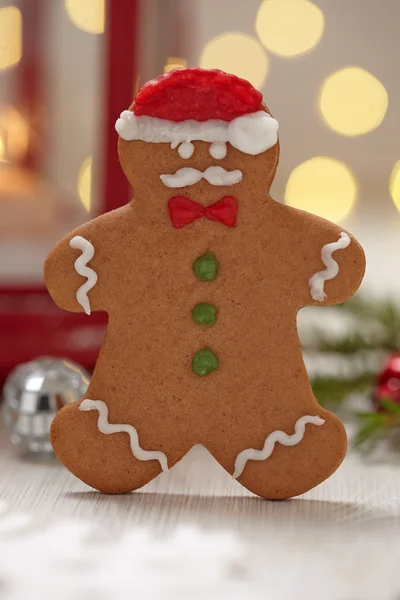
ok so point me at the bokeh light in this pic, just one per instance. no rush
(14, 132)
(2, 152)
(174, 62)
(323, 186)
(10, 37)
(352, 101)
(237, 53)
(289, 27)
(84, 183)
(88, 15)
(394, 185)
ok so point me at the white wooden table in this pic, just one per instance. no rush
(340, 541)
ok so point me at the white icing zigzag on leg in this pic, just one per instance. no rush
(317, 281)
(107, 428)
(79, 243)
(269, 444)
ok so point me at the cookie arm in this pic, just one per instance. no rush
(75, 269)
(326, 263)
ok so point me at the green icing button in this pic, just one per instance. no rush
(204, 362)
(206, 267)
(204, 314)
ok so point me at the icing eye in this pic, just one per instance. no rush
(186, 149)
(218, 150)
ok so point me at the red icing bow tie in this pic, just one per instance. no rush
(184, 211)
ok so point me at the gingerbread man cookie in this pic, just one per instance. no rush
(202, 276)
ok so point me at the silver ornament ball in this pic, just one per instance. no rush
(34, 392)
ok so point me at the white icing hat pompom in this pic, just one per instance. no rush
(253, 133)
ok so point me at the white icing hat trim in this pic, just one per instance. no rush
(253, 133)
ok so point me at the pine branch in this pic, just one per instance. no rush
(331, 391)
(350, 344)
(374, 426)
(371, 431)
(383, 314)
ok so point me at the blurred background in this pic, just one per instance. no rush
(326, 69)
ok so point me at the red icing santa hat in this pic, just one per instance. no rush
(199, 104)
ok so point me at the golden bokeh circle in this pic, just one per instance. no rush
(394, 185)
(88, 15)
(2, 151)
(323, 186)
(237, 53)
(289, 27)
(84, 183)
(353, 101)
(10, 37)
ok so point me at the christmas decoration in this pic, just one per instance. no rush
(30, 324)
(367, 360)
(388, 383)
(34, 392)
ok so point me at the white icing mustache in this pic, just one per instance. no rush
(189, 176)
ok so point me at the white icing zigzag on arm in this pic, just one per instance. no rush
(79, 243)
(105, 427)
(317, 281)
(269, 444)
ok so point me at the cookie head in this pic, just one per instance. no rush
(196, 127)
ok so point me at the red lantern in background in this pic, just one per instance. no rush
(30, 324)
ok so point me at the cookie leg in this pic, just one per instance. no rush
(290, 463)
(101, 453)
